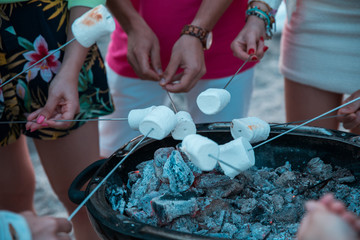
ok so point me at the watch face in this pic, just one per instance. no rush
(209, 40)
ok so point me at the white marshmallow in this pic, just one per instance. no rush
(185, 125)
(252, 128)
(161, 119)
(236, 154)
(93, 25)
(213, 100)
(198, 148)
(135, 116)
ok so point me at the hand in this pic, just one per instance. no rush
(144, 53)
(352, 112)
(62, 103)
(250, 40)
(187, 55)
(47, 228)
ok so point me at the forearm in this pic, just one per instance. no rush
(75, 53)
(126, 14)
(210, 12)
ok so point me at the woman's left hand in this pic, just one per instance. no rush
(352, 112)
(62, 103)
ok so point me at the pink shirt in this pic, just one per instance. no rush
(167, 18)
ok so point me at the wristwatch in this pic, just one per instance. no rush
(202, 34)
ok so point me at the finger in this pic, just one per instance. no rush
(260, 48)
(134, 64)
(63, 225)
(145, 69)
(170, 71)
(156, 60)
(252, 46)
(63, 237)
(351, 120)
(351, 108)
(239, 50)
(186, 83)
(32, 117)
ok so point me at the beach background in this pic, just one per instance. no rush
(267, 103)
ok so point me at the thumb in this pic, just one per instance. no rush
(48, 110)
(351, 108)
(170, 71)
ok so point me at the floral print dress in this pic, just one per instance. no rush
(28, 32)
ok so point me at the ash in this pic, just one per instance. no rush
(260, 203)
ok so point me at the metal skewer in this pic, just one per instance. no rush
(106, 177)
(71, 120)
(172, 101)
(237, 71)
(295, 122)
(227, 164)
(52, 52)
(309, 121)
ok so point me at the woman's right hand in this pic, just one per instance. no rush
(250, 40)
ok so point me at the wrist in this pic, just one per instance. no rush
(204, 35)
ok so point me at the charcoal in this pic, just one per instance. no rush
(232, 189)
(117, 197)
(170, 206)
(318, 168)
(286, 179)
(148, 183)
(212, 180)
(185, 224)
(289, 213)
(145, 202)
(160, 157)
(260, 203)
(177, 171)
(230, 229)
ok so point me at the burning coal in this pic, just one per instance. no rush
(260, 203)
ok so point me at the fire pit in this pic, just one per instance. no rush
(298, 147)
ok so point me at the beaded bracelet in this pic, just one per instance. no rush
(268, 19)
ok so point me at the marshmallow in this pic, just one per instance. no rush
(198, 148)
(185, 126)
(252, 128)
(236, 154)
(213, 100)
(161, 119)
(137, 115)
(93, 25)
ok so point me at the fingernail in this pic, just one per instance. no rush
(159, 71)
(251, 51)
(265, 48)
(254, 58)
(163, 81)
(261, 38)
(40, 119)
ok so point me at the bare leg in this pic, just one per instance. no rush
(328, 219)
(305, 102)
(63, 159)
(17, 178)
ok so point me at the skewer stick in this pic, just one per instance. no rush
(309, 121)
(71, 120)
(106, 177)
(237, 71)
(172, 101)
(51, 53)
(227, 164)
(295, 122)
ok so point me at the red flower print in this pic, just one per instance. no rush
(46, 67)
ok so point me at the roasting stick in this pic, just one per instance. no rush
(172, 101)
(51, 53)
(295, 122)
(106, 177)
(71, 120)
(223, 162)
(309, 121)
(237, 71)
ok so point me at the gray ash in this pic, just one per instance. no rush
(260, 203)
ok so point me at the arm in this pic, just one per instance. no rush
(63, 99)
(188, 53)
(143, 45)
(250, 40)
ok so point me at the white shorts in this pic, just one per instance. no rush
(132, 93)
